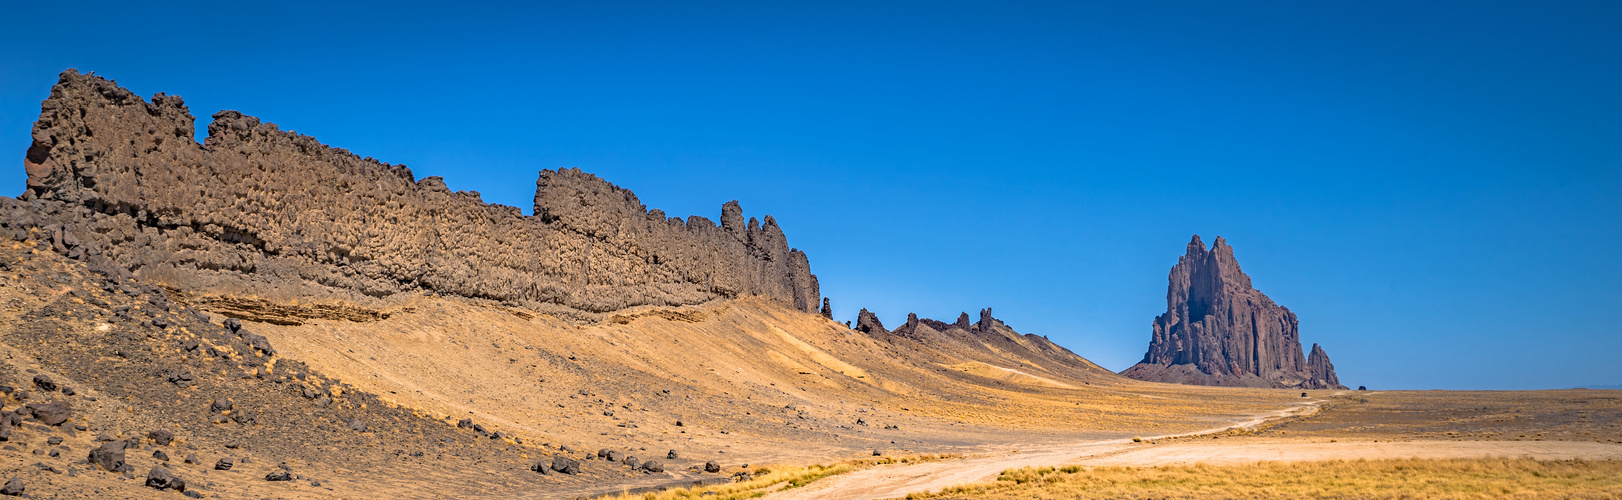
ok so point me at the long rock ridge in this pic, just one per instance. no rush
(259, 211)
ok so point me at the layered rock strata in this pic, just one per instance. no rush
(1219, 330)
(255, 210)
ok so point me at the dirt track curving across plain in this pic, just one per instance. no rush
(899, 480)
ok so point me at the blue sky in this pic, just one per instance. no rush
(1435, 188)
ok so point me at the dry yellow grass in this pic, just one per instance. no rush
(1444, 479)
(763, 480)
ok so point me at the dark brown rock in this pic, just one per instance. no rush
(161, 437)
(1218, 330)
(161, 478)
(44, 383)
(125, 183)
(109, 456)
(866, 322)
(827, 310)
(566, 465)
(1321, 373)
(52, 413)
(14, 487)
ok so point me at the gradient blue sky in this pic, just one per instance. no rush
(1434, 187)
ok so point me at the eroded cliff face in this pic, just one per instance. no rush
(262, 212)
(1218, 330)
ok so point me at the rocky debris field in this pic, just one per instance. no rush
(110, 389)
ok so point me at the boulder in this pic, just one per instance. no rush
(712, 467)
(182, 378)
(224, 464)
(259, 343)
(565, 465)
(14, 487)
(44, 383)
(160, 478)
(109, 456)
(653, 466)
(161, 437)
(52, 413)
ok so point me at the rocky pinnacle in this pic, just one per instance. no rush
(1218, 330)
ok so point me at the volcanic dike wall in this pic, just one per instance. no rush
(255, 211)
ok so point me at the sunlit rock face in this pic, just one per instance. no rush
(255, 210)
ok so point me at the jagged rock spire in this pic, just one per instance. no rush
(1218, 330)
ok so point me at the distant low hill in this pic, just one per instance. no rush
(1599, 386)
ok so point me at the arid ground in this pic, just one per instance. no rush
(745, 384)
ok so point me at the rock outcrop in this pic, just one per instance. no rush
(1320, 372)
(866, 322)
(1218, 330)
(980, 345)
(258, 211)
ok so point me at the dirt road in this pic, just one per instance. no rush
(899, 480)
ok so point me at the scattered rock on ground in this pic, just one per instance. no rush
(161, 437)
(110, 455)
(44, 383)
(161, 478)
(566, 465)
(52, 413)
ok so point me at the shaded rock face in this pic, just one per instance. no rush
(255, 209)
(866, 322)
(1218, 330)
(1321, 373)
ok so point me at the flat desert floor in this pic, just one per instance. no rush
(1345, 426)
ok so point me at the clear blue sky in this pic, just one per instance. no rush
(1434, 187)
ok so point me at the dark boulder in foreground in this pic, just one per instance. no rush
(52, 413)
(161, 478)
(109, 456)
(566, 465)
